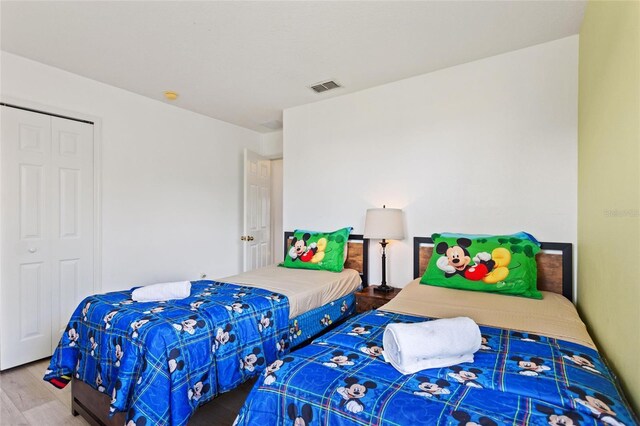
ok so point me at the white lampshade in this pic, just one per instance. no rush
(385, 224)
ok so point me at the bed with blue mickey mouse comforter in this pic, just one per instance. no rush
(551, 376)
(159, 361)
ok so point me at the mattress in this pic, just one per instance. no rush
(553, 316)
(306, 289)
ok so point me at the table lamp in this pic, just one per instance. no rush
(384, 224)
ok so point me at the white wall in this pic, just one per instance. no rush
(271, 147)
(487, 147)
(172, 179)
(271, 144)
(277, 233)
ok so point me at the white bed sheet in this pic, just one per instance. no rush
(553, 316)
(306, 289)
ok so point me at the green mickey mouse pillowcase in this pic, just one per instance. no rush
(503, 264)
(317, 250)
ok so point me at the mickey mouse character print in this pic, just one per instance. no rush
(72, 334)
(353, 392)
(468, 377)
(199, 389)
(109, 318)
(527, 337)
(465, 419)
(174, 362)
(138, 324)
(488, 268)
(252, 360)
(223, 336)
(373, 349)
(304, 251)
(430, 390)
(190, 325)
(581, 360)
(484, 345)
(266, 320)
(270, 371)
(598, 405)
(340, 359)
(359, 330)
(300, 419)
(140, 421)
(118, 348)
(532, 367)
(567, 418)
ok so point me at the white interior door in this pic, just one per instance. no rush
(71, 219)
(47, 230)
(257, 211)
(26, 230)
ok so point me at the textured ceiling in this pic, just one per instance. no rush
(244, 62)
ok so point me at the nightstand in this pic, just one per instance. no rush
(368, 299)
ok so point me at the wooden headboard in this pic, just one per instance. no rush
(357, 255)
(555, 265)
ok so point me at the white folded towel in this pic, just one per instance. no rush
(431, 344)
(162, 291)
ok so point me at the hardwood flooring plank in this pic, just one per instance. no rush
(9, 414)
(24, 390)
(37, 369)
(52, 413)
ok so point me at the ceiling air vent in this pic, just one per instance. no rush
(323, 87)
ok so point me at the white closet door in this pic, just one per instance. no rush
(26, 232)
(71, 219)
(47, 230)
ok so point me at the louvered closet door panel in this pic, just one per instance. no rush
(72, 216)
(25, 293)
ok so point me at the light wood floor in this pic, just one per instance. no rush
(26, 399)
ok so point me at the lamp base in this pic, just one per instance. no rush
(382, 288)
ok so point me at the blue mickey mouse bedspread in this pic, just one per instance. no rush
(516, 379)
(161, 360)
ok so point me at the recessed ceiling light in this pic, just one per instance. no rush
(170, 95)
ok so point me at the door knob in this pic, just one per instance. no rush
(33, 250)
(243, 238)
(250, 238)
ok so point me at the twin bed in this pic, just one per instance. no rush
(537, 363)
(157, 362)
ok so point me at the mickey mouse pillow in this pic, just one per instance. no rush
(317, 250)
(493, 263)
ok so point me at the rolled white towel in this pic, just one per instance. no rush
(162, 291)
(431, 344)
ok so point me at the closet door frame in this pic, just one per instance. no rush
(97, 173)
